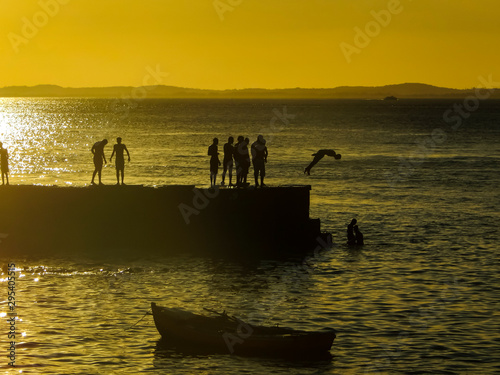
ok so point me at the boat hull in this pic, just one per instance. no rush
(223, 334)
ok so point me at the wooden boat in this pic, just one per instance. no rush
(226, 334)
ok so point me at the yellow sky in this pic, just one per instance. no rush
(248, 43)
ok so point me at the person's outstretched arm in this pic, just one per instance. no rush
(128, 153)
(112, 154)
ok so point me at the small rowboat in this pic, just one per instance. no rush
(226, 334)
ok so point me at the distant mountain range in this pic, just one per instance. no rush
(401, 91)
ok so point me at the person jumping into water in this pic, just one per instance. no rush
(320, 155)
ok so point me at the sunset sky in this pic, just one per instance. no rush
(251, 43)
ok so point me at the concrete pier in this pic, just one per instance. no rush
(45, 220)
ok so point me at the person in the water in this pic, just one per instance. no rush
(358, 235)
(98, 151)
(213, 151)
(320, 155)
(227, 162)
(351, 237)
(119, 160)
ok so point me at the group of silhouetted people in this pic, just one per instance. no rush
(238, 156)
(99, 159)
(235, 155)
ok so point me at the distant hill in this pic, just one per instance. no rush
(401, 91)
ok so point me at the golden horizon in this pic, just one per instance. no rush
(238, 44)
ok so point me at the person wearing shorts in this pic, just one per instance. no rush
(119, 148)
(98, 151)
(214, 161)
(259, 160)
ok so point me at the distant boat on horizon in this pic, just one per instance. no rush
(390, 98)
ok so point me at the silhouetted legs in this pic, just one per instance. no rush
(259, 167)
(261, 181)
(246, 167)
(238, 172)
(120, 171)
(228, 165)
(98, 171)
(214, 168)
(313, 163)
(242, 173)
(213, 179)
(5, 176)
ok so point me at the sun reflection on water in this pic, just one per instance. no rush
(37, 137)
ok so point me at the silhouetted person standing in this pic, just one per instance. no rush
(4, 161)
(120, 159)
(351, 238)
(98, 151)
(259, 159)
(320, 155)
(214, 161)
(227, 162)
(245, 161)
(238, 159)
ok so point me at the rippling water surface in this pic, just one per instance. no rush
(421, 297)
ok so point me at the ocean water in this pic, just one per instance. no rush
(421, 297)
